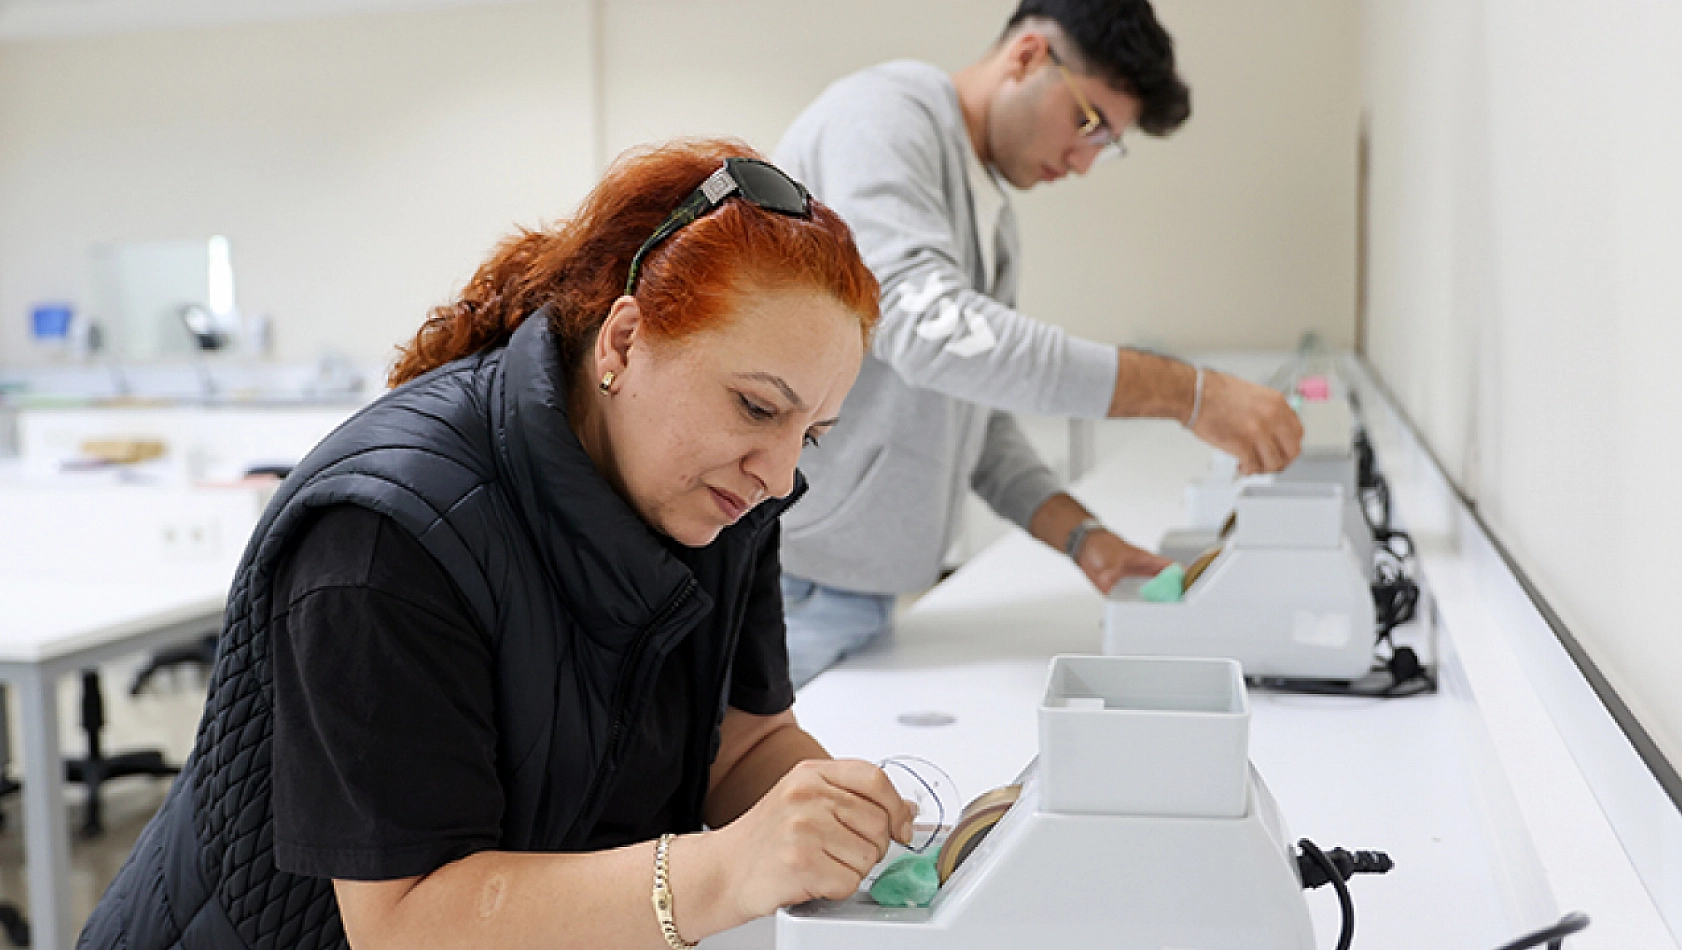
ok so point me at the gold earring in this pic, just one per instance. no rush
(607, 383)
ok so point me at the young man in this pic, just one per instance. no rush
(913, 159)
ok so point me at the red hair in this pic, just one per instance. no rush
(688, 283)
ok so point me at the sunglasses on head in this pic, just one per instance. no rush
(760, 183)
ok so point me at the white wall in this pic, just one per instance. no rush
(1238, 231)
(362, 164)
(1525, 295)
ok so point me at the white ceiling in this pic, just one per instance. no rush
(28, 19)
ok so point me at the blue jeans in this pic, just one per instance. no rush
(826, 624)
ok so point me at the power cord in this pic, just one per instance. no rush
(1366, 460)
(1554, 936)
(1316, 868)
(1397, 544)
(1380, 684)
(1371, 488)
(1394, 594)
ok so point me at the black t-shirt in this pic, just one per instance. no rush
(385, 711)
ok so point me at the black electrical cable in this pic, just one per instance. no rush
(1373, 491)
(1346, 936)
(1316, 868)
(1394, 594)
(1346, 863)
(1366, 460)
(1386, 685)
(1370, 485)
(1554, 936)
(1387, 541)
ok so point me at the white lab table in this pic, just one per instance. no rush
(55, 625)
(1428, 779)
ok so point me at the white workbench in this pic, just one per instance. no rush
(53, 626)
(1472, 791)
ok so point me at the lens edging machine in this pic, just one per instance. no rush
(1140, 825)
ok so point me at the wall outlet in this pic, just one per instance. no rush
(190, 540)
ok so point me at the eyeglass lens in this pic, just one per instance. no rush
(1094, 128)
(930, 790)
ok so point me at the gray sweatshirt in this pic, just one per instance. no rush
(929, 417)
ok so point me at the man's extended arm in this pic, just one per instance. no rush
(1253, 423)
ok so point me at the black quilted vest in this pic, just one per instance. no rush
(582, 602)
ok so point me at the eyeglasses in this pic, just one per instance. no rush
(1095, 130)
(760, 183)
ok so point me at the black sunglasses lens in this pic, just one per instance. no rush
(768, 187)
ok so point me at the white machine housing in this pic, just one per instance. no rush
(1140, 826)
(1328, 457)
(1286, 597)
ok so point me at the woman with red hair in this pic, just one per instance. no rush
(510, 638)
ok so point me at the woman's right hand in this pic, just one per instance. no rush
(816, 833)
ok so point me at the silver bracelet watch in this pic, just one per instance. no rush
(1077, 537)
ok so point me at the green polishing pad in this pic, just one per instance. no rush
(1166, 587)
(911, 881)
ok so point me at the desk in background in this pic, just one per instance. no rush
(90, 571)
(52, 627)
(126, 560)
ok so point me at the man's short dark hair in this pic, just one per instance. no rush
(1122, 41)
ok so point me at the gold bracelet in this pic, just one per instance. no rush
(662, 896)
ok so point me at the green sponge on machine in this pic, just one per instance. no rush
(1165, 588)
(911, 881)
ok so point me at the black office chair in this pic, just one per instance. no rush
(11, 919)
(201, 654)
(8, 786)
(16, 928)
(96, 768)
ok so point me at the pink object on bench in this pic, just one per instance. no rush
(1314, 388)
